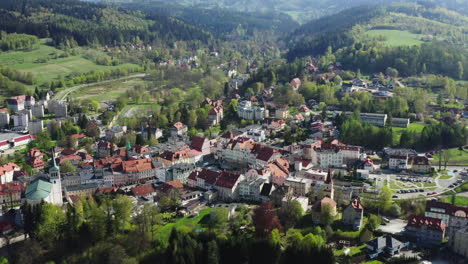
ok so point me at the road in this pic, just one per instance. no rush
(63, 94)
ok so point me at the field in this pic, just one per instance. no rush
(163, 232)
(461, 201)
(45, 63)
(353, 251)
(457, 157)
(108, 91)
(396, 37)
(397, 131)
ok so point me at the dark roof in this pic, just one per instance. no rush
(197, 143)
(385, 241)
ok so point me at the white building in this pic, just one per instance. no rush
(35, 127)
(20, 120)
(247, 111)
(257, 135)
(250, 189)
(330, 158)
(4, 117)
(37, 110)
(7, 171)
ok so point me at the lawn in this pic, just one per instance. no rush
(461, 201)
(353, 251)
(373, 262)
(108, 91)
(163, 232)
(396, 37)
(54, 68)
(397, 131)
(457, 157)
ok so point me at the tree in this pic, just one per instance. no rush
(66, 166)
(123, 209)
(445, 158)
(365, 235)
(51, 224)
(265, 219)
(392, 72)
(326, 215)
(460, 70)
(218, 217)
(290, 214)
(385, 199)
(373, 222)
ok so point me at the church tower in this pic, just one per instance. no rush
(54, 177)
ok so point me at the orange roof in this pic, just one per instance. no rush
(137, 165)
(9, 167)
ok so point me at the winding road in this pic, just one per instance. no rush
(61, 95)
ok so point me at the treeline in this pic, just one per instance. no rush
(109, 230)
(354, 132)
(435, 136)
(16, 41)
(72, 23)
(98, 76)
(435, 58)
(13, 81)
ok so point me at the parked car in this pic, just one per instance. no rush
(395, 196)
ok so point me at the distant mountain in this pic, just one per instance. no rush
(220, 21)
(300, 10)
(72, 22)
(349, 26)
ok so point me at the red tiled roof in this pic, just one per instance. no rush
(6, 189)
(266, 153)
(106, 190)
(143, 190)
(3, 143)
(197, 143)
(137, 165)
(227, 180)
(9, 167)
(73, 157)
(431, 223)
(22, 138)
(167, 186)
(34, 152)
(69, 151)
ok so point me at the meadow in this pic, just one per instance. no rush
(397, 131)
(396, 38)
(457, 157)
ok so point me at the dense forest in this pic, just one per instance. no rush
(223, 23)
(16, 41)
(73, 23)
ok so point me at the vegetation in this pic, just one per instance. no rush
(396, 37)
(456, 156)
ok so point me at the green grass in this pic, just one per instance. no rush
(461, 201)
(397, 131)
(353, 251)
(457, 157)
(107, 92)
(53, 69)
(396, 38)
(373, 262)
(446, 177)
(163, 232)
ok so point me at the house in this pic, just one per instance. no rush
(257, 135)
(10, 193)
(296, 83)
(34, 158)
(225, 183)
(385, 245)
(180, 171)
(250, 189)
(183, 155)
(353, 214)
(398, 162)
(145, 190)
(20, 102)
(147, 133)
(170, 186)
(247, 111)
(116, 132)
(178, 129)
(282, 113)
(279, 193)
(401, 122)
(82, 189)
(7, 171)
(201, 145)
(300, 186)
(215, 115)
(104, 149)
(427, 231)
(320, 206)
(420, 164)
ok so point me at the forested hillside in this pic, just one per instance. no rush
(301, 10)
(71, 22)
(221, 22)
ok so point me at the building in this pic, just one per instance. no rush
(180, 172)
(215, 115)
(353, 215)
(20, 120)
(35, 126)
(38, 111)
(225, 183)
(247, 111)
(296, 83)
(420, 164)
(46, 189)
(10, 193)
(427, 231)
(178, 129)
(460, 242)
(4, 117)
(379, 120)
(148, 132)
(330, 158)
(300, 186)
(82, 189)
(145, 190)
(58, 108)
(398, 162)
(201, 145)
(116, 132)
(7, 171)
(104, 149)
(321, 205)
(385, 245)
(250, 189)
(401, 122)
(20, 102)
(282, 113)
(257, 135)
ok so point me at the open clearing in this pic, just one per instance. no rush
(397, 131)
(457, 157)
(108, 91)
(53, 67)
(395, 37)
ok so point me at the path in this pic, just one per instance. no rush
(64, 93)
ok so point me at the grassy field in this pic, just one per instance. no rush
(461, 201)
(353, 251)
(45, 63)
(457, 157)
(107, 92)
(163, 232)
(397, 131)
(396, 37)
